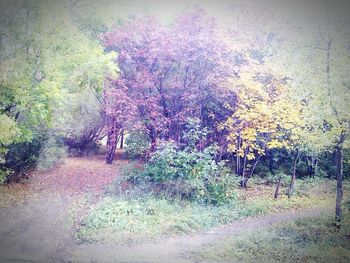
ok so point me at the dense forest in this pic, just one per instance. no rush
(204, 100)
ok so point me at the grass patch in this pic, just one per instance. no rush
(313, 240)
(125, 220)
(313, 192)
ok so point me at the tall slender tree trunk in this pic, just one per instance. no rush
(254, 166)
(251, 172)
(153, 144)
(309, 164)
(293, 178)
(152, 133)
(122, 140)
(243, 180)
(112, 139)
(271, 162)
(339, 164)
(278, 187)
(315, 166)
(111, 147)
(238, 159)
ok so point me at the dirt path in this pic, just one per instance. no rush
(36, 230)
(36, 220)
(36, 217)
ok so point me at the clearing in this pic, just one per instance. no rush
(37, 220)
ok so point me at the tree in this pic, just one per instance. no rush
(46, 66)
(321, 78)
(167, 74)
(263, 119)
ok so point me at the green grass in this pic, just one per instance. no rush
(313, 240)
(121, 220)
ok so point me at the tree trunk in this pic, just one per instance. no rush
(292, 181)
(278, 187)
(112, 139)
(238, 159)
(122, 140)
(152, 133)
(251, 172)
(309, 163)
(316, 165)
(339, 164)
(243, 180)
(153, 144)
(271, 162)
(111, 147)
(254, 166)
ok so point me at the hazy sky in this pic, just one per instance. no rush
(223, 8)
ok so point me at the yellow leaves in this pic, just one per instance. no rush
(240, 152)
(249, 134)
(261, 152)
(294, 137)
(250, 156)
(232, 148)
(265, 116)
(274, 144)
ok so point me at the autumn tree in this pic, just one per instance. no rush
(169, 73)
(334, 45)
(263, 118)
(316, 59)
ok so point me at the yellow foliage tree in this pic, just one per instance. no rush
(264, 117)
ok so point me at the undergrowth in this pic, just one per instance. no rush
(124, 219)
(313, 240)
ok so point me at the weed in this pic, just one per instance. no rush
(137, 216)
(305, 240)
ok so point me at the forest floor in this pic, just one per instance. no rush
(37, 220)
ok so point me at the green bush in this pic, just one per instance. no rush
(188, 174)
(20, 158)
(136, 144)
(321, 173)
(3, 175)
(51, 155)
(88, 149)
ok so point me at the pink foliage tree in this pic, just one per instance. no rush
(167, 74)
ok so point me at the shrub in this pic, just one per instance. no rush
(187, 174)
(321, 173)
(136, 144)
(88, 149)
(3, 175)
(20, 158)
(51, 155)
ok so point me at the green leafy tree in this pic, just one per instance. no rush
(51, 76)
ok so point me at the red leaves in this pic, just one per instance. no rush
(78, 175)
(167, 73)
